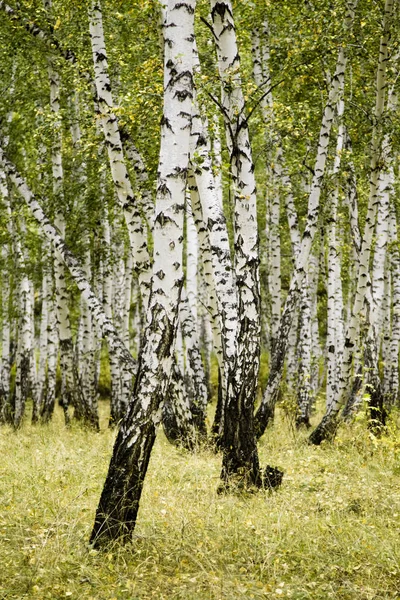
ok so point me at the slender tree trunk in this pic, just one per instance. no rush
(392, 377)
(240, 456)
(23, 382)
(334, 334)
(123, 188)
(43, 343)
(304, 376)
(5, 369)
(49, 396)
(211, 224)
(211, 306)
(119, 503)
(194, 367)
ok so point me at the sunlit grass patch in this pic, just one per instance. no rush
(331, 531)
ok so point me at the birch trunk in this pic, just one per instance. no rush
(392, 368)
(334, 303)
(49, 393)
(87, 368)
(207, 272)
(194, 367)
(24, 358)
(214, 228)
(240, 457)
(76, 272)
(5, 370)
(304, 376)
(117, 511)
(69, 387)
(43, 343)
(113, 142)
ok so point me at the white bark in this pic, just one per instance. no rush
(240, 457)
(24, 357)
(191, 262)
(194, 365)
(392, 359)
(73, 265)
(217, 160)
(117, 511)
(5, 312)
(328, 424)
(123, 188)
(304, 378)
(334, 337)
(266, 409)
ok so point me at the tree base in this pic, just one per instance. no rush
(326, 430)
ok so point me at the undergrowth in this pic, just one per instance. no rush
(331, 531)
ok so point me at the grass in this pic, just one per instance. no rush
(332, 530)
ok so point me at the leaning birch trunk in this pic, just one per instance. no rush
(240, 456)
(267, 406)
(119, 503)
(76, 271)
(328, 425)
(123, 188)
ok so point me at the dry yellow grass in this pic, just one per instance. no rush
(332, 531)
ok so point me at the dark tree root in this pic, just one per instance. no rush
(271, 479)
(303, 422)
(326, 430)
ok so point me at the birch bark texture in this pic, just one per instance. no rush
(266, 409)
(328, 425)
(240, 457)
(119, 503)
(113, 142)
(74, 267)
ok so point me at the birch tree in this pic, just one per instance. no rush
(117, 511)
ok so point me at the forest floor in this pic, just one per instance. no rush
(331, 531)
